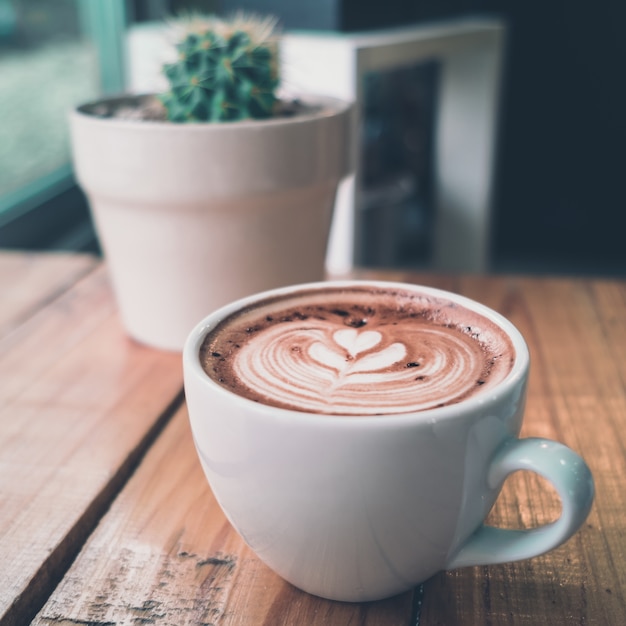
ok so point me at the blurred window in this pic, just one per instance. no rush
(53, 55)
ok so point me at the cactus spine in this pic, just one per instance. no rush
(226, 70)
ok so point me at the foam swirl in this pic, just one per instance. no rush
(350, 358)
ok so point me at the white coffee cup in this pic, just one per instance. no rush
(362, 508)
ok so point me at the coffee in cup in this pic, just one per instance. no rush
(355, 351)
(356, 434)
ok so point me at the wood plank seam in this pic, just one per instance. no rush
(416, 608)
(41, 587)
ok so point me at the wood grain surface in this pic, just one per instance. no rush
(164, 554)
(79, 403)
(27, 283)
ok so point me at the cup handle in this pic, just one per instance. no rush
(572, 480)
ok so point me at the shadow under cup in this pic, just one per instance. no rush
(359, 508)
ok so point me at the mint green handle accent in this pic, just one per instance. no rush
(573, 482)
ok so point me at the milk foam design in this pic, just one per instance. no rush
(354, 343)
(315, 367)
(357, 351)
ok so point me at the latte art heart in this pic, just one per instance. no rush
(354, 343)
(350, 358)
(325, 372)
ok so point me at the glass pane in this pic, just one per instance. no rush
(46, 66)
(396, 204)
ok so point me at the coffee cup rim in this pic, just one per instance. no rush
(193, 367)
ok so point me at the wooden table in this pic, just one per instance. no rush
(106, 518)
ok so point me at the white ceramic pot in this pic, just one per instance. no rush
(192, 216)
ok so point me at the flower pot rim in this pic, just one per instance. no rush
(325, 107)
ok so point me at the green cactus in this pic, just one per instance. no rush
(227, 70)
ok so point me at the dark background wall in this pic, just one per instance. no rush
(561, 195)
(561, 199)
